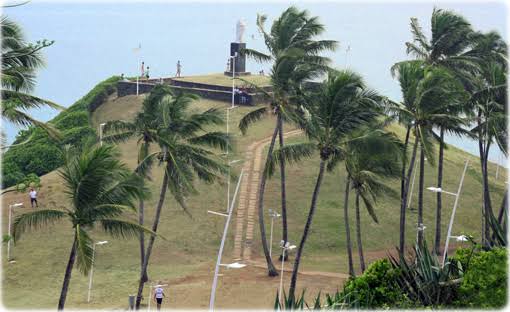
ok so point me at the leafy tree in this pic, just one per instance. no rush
(295, 56)
(184, 152)
(100, 189)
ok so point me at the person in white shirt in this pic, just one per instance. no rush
(158, 296)
(33, 198)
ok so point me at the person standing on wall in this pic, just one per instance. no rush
(158, 296)
(147, 73)
(179, 67)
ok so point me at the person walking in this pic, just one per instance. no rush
(33, 198)
(179, 67)
(158, 296)
(142, 74)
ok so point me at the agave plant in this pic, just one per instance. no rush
(425, 280)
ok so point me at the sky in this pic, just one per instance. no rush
(95, 40)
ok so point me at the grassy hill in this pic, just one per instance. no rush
(186, 259)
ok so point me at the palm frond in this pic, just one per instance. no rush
(35, 219)
(250, 118)
(124, 229)
(290, 154)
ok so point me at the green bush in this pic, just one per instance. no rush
(42, 154)
(377, 287)
(485, 281)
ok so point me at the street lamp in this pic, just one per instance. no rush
(222, 244)
(235, 265)
(9, 228)
(150, 294)
(101, 126)
(457, 195)
(285, 246)
(273, 215)
(228, 169)
(92, 267)
(420, 228)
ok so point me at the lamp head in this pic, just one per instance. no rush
(102, 243)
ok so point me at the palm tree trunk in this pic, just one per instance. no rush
(358, 235)
(404, 159)
(162, 194)
(501, 213)
(144, 277)
(347, 229)
(67, 276)
(299, 252)
(420, 196)
(488, 204)
(271, 270)
(437, 241)
(282, 180)
(403, 204)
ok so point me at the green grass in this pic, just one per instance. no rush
(192, 244)
(224, 80)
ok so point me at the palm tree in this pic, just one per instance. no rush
(184, 152)
(340, 105)
(144, 128)
(372, 156)
(490, 104)
(99, 188)
(447, 48)
(20, 61)
(295, 56)
(488, 101)
(431, 90)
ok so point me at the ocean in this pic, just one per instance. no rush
(95, 40)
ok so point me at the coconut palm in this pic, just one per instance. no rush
(432, 90)
(295, 56)
(491, 125)
(20, 61)
(488, 102)
(144, 128)
(447, 48)
(372, 156)
(184, 153)
(100, 189)
(340, 105)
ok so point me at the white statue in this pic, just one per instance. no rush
(241, 26)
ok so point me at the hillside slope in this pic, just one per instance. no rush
(186, 259)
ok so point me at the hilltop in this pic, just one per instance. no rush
(186, 259)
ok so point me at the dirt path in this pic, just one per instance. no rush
(248, 197)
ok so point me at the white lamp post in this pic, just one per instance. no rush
(232, 106)
(412, 184)
(92, 267)
(285, 246)
(150, 294)
(9, 229)
(101, 126)
(224, 237)
(457, 195)
(273, 215)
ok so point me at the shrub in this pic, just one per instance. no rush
(42, 154)
(377, 286)
(485, 282)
